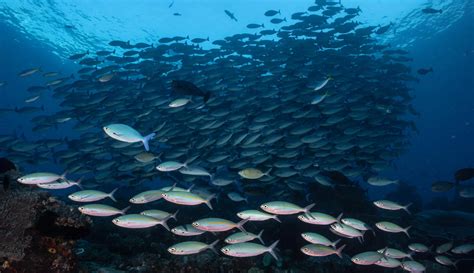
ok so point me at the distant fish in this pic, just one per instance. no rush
(441, 186)
(177, 14)
(189, 89)
(380, 181)
(252, 26)
(271, 12)
(171, 4)
(231, 15)
(464, 174)
(424, 71)
(277, 20)
(29, 72)
(249, 250)
(191, 247)
(431, 10)
(127, 134)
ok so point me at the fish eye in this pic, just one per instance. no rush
(305, 249)
(195, 224)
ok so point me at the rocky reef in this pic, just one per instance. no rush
(37, 231)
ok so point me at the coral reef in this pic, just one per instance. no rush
(38, 232)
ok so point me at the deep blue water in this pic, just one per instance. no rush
(444, 99)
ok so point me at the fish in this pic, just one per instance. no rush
(413, 266)
(394, 253)
(236, 197)
(317, 218)
(284, 208)
(127, 134)
(253, 26)
(40, 178)
(146, 197)
(191, 247)
(218, 224)
(392, 228)
(316, 250)
(431, 11)
(316, 238)
(464, 174)
(271, 12)
(390, 205)
(424, 71)
(138, 221)
(61, 184)
(29, 72)
(187, 198)
(444, 260)
(463, 249)
(252, 173)
(388, 262)
(101, 210)
(367, 258)
(441, 249)
(189, 89)
(242, 237)
(467, 192)
(179, 103)
(255, 215)
(159, 214)
(231, 15)
(380, 181)
(442, 186)
(91, 195)
(187, 230)
(418, 247)
(249, 250)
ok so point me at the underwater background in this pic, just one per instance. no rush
(395, 76)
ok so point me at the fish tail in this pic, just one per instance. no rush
(307, 208)
(174, 215)
(259, 237)
(271, 249)
(406, 231)
(111, 194)
(125, 210)
(79, 183)
(189, 189)
(212, 246)
(208, 200)
(405, 208)
(164, 222)
(277, 219)
(63, 176)
(146, 139)
(240, 225)
(267, 173)
(333, 244)
(339, 251)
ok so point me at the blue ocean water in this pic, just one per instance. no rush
(46, 33)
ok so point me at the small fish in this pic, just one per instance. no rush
(40, 178)
(231, 15)
(127, 134)
(464, 174)
(392, 228)
(179, 103)
(431, 10)
(242, 237)
(316, 238)
(191, 247)
(390, 205)
(413, 266)
(388, 262)
(59, 185)
(317, 218)
(252, 173)
(187, 198)
(277, 20)
(146, 197)
(463, 249)
(29, 72)
(170, 166)
(218, 224)
(444, 247)
(252, 26)
(316, 250)
(139, 221)
(159, 214)
(379, 181)
(146, 157)
(417, 247)
(187, 230)
(101, 210)
(284, 208)
(367, 258)
(424, 71)
(442, 186)
(320, 85)
(32, 99)
(91, 195)
(255, 215)
(318, 99)
(394, 253)
(271, 12)
(446, 261)
(236, 197)
(249, 250)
